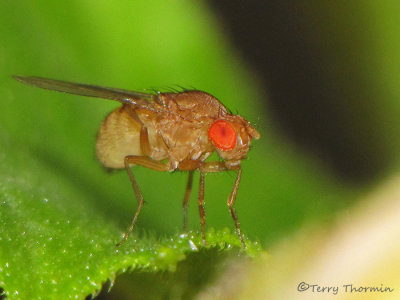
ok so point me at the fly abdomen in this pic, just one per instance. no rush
(118, 137)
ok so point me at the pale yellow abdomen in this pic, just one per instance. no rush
(118, 137)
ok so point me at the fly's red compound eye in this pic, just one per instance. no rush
(223, 135)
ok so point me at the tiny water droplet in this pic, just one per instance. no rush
(193, 247)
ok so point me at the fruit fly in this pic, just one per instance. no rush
(166, 132)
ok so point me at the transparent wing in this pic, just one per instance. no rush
(124, 96)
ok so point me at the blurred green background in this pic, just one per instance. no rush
(319, 81)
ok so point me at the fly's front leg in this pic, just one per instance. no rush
(186, 199)
(231, 202)
(145, 162)
(209, 167)
(201, 207)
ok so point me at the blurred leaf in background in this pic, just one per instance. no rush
(61, 214)
(332, 71)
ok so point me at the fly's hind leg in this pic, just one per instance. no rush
(145, 162)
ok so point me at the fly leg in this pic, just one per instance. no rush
(231, 202)
(210, 167)
(206, 167)
(145, 162)
(201, 207)
(186, 199)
